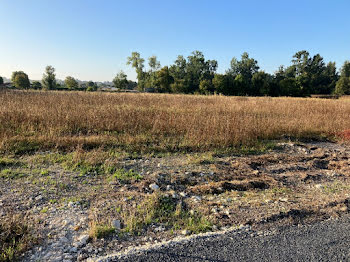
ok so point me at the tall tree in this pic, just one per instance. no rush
(153, 63)
(49, 78)
(120, 81)
(343, 84)
(71, 83)
(137, 62)
(1, 80)
(163, 80)
(20, 80)
(245, 67)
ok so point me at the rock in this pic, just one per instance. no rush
(283, 199)
(82, 240)
(39, 197)
(116, 224)
(168, 187)
(183, 194)
(159, 229)
(174, 195)
(343, 209)
(196, 198)
(214, 210)
(154, 187)
(64, 240)
(73, 250)
(319, 186)
(185, 232)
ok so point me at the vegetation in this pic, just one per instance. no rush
(20, 80)
(49, 78)
(71, 83)
(1, 80)
(120, 81)
(158, 208)
(33, 120)
(305, 76)
(15, 238)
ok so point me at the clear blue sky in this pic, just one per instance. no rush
(91, 39)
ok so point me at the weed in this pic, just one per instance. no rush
(15, 238)
(100, 230)
(126, 176)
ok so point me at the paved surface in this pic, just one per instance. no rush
(324, 241)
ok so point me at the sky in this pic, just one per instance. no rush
(91, 39)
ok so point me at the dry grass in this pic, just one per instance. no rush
(15, 238)
(33, 120)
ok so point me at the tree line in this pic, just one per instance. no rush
(305, 76)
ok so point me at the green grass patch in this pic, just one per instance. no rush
(125, 176)
(166, 210)
(11, 174)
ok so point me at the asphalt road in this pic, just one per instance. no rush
(323, 241)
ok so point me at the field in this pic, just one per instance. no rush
(86, 174)
(161, 123)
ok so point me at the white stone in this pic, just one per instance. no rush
(83, 239)
(185, 232)
(116, 224)
(183, 194)
(197, 198)
(39, 197)
(154, 187)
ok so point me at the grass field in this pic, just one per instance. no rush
(34, 120)
(90, 159)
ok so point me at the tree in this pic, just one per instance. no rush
(343, 84)
(1, 80)
(36, 85)
(261, 84)
(20, 80)
(49, 78)
(206, 86)
(153, 63)
(120, 81)
(91, 86)
(137, 62)
(163, 80)
(246, 67)
(71, 83)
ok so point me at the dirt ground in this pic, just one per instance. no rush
(294, 183)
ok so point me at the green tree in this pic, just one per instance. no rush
(206, 86)
(246, 67)
(91, 86)
(120, 81)
(49, 78)
(163, 80)
(153, 63)
(71, 83)
(36, 85)
(137, 62)
(1, 80)
(20, 80)
(343, 84)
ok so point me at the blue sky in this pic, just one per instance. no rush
(91, 39)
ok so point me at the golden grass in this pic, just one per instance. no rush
(146, 122)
